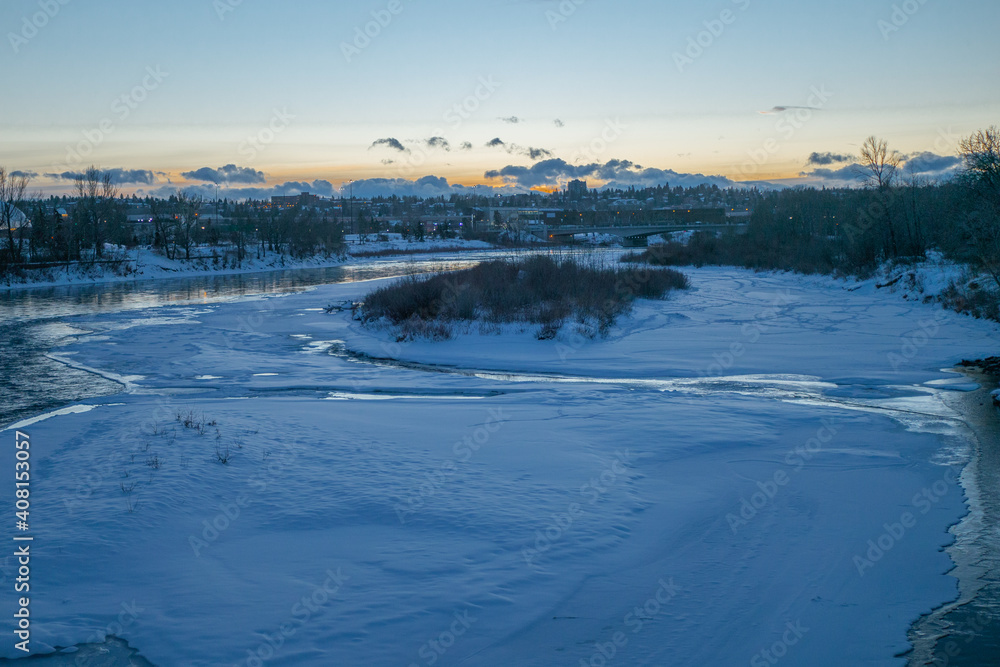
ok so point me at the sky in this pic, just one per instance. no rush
(253, 98)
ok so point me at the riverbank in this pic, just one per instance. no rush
(965, 632)
(725, 455)
(145, 264)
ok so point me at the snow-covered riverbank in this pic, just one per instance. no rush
(762, 467)
(145, 264)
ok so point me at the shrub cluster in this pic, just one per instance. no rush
(536, 290)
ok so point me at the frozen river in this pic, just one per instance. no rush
(764, 468)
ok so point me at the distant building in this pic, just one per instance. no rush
(705, 216)
(304, 199)
(576, 190)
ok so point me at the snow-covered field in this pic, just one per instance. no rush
(760, 470)
(145, 264)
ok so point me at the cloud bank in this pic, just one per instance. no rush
(118, 176)
(229, 173)
(614, 174)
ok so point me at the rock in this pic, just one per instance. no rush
(989, 365)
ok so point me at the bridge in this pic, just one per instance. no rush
(636, 237)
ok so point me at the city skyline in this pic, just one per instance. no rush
(432, 99)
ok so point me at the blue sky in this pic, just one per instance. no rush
(292, 98)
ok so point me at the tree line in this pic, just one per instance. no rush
(853, 231)
(893, 217)
(58, 230)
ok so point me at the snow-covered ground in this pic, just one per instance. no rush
(143, 263)
(759, 470)
(594, 238)
(679, 237)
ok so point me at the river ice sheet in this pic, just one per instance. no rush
(715, 495)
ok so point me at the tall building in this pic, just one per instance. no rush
(576, 190)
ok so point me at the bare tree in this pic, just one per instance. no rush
(88, 190)
(163, 218)
(981, 155)
(880, 167)
(981, 176)
(242, 231)
(186, 222)
(97, 208)
(879, 163)
(12, 189)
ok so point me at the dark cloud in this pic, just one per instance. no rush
(323, 187)
(559, 123)
(428, 186)
(824, 159)
(614, 173)
(851, 174)
(930, 165)
(439, 142)
(777, 110)
(389, 142)
(118, 176)
(466, 146)
(317, 187)
(514, 149)
(24, 174)
(536, 153)
(512, 120)
(925, 165)
(229, 173)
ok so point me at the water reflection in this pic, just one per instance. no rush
(31, 382)
(67, 300)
